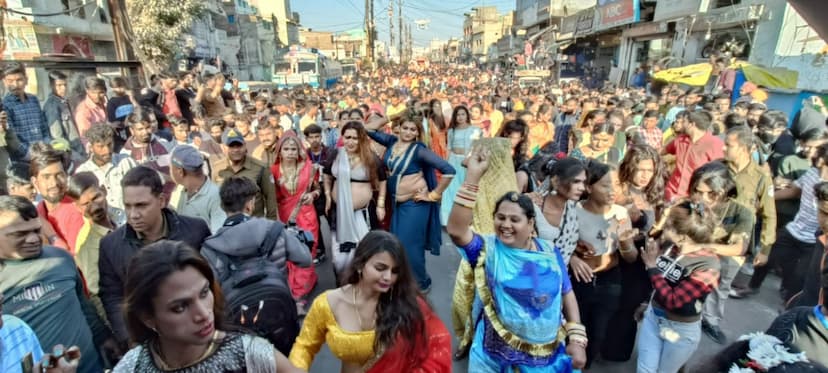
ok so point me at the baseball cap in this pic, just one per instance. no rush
(187, 157)
(232, 136)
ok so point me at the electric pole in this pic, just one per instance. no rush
(400, 24)
(410, 43)
(368, 36)
(390, 28)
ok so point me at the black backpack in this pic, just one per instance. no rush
(256, 294)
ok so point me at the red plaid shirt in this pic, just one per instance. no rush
(652, 136)
(700, 276)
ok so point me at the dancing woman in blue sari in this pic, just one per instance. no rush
(415, 192)
(520, 288)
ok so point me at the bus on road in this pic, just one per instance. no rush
(295, 66)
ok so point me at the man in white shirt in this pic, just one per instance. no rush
(195, 194)
(108, 167)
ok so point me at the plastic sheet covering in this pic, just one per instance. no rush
(697, 75)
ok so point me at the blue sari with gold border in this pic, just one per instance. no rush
(516, 311)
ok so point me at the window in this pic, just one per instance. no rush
(724, 3)
(231, 18)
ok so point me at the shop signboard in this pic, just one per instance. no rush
(585, 23)
(672, 9)
(21, 41)
(80, 46)
(612, 13)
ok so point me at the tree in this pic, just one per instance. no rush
(155, 29)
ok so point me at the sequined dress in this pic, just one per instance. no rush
(237, 353)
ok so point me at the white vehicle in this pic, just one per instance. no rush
(295, 66)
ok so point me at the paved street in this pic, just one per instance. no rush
(742, 315)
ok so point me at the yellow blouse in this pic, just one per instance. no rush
(320, 326)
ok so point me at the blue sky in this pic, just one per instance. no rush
(446, 16)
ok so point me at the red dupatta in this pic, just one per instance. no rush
(432, 355)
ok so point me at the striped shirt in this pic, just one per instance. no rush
(27, 120)
(17, 342)
(804, 225)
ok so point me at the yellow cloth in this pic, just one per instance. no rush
(88, 244)
(461, 305)
(668, 136)
(498, 179)
(539, 134)
(305, 122)
(496, 117)
(694, 75)
(392, 111)
(320, 327)
(698, 75)
(771, 77)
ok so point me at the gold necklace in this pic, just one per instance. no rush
(353, 160)
(290, 178)
(356, 309)
(398, 150)
(164, 366)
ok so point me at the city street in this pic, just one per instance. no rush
(743, 316)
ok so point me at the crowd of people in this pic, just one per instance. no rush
(181, 227)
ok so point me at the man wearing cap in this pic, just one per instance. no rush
(239, 164)
(195, 195)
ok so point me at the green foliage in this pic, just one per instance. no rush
(157, 27)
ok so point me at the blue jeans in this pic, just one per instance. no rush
(665, 345)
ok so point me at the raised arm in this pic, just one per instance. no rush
(383, 139)
(460, 219)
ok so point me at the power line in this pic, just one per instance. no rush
(351, 3)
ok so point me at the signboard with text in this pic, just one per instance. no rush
(612, 13)
(585, 23)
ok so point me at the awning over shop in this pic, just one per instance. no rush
(541, 32)
(697, 75)
(813, 11)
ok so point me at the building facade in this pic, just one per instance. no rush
(286, 21)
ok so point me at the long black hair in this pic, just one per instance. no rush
(436, 116)
(398, 309)
(654, 191)
(453, 122)
(148, 269)
(519, 126)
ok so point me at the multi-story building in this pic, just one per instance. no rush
(321, 40)
(252, 42)
(482, 27)
(84, 33)
(350, 44)
(287, 22)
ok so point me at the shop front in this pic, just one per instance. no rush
(727, 30)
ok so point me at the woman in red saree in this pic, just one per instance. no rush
(429, 353)
(378, 321)
(296, 189)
